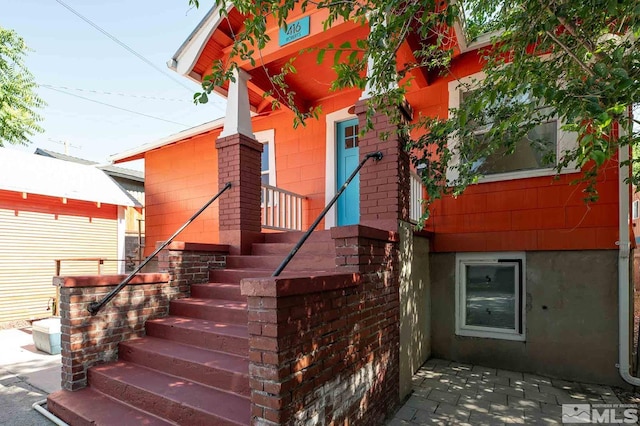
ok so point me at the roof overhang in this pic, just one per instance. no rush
(185, 58)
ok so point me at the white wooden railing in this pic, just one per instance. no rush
(281, 209)
(415, 198)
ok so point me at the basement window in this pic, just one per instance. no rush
(490, 289)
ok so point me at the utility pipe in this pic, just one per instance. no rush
(38, 406)
(624, 251)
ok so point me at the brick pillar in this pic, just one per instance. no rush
(239, 163)
(384, 185)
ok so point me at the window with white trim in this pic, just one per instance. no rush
(528, 159)
(268, 159)
(635, 209)
(490, 295)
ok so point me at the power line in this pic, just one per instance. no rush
(116, 107)
(100, 92)
(123, 45)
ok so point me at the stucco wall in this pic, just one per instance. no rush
(415, 305)
(571, 318)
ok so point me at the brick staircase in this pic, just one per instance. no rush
(192, 367)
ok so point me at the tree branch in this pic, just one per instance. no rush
(570, 53)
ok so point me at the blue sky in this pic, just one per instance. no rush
(71, 56)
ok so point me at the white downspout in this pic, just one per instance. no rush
(624, 251)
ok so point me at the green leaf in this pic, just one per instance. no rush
(598, 156)
(600, 69)
(320, 57)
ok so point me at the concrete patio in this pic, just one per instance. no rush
(446, 393)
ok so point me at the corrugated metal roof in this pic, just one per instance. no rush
(37, 174)
(108, 169)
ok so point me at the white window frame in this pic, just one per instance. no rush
(462, 329)
(331, 121)
(635, 210)
(268, 137)
(565, 140)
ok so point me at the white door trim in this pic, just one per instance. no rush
(330, 219)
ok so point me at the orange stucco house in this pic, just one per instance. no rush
(517, 273)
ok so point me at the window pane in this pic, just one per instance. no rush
(491, 296)
(265, 178)
(535, 151)
(265, 157)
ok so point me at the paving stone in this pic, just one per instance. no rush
(421, 404)
(416, 381)
(484, 370)
(505, 410)
(474, 404)
(494, 397)
(597, 389)
(432, 375)
(421, 392)
(554, 391)
(453, 411)
(552, 409)
(536, 380)
(457, 366)
(464, 390)
(541, 397)
(522, 385)
(428, 418)
(453, 380)
(515, 375)
(441, 369)
(448, 397)
(398, 422)
(504, 381)
(540, 418)
(508, 390)
(406, 413)
(482, 419)
(580, 398)
(482, 384)
(470, 374)
(563, 384)
(611, 399)
(522, 403)
(434, 384)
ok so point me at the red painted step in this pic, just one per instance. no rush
(88, 407)
(298, 263)
(226, 311)
(294, 237)
(217, 291)
(170, 397)
(283, 249)
(216, 369)
(217, 336)
(235, 275)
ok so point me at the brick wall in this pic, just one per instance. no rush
(88, 340)
(384, 184)
(324, 350)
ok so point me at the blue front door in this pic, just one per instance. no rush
(347, 151)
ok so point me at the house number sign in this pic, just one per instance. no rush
(295, 31)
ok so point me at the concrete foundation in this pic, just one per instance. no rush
(571, 318)
(415, 305)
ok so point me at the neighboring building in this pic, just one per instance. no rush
(520, 274)
(53, 210)
(133, 182)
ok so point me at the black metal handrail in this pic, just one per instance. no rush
(94, 307)
(377, 156)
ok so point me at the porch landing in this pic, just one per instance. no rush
(450, 393)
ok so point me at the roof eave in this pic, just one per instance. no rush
(188, 53)
(138, 153)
